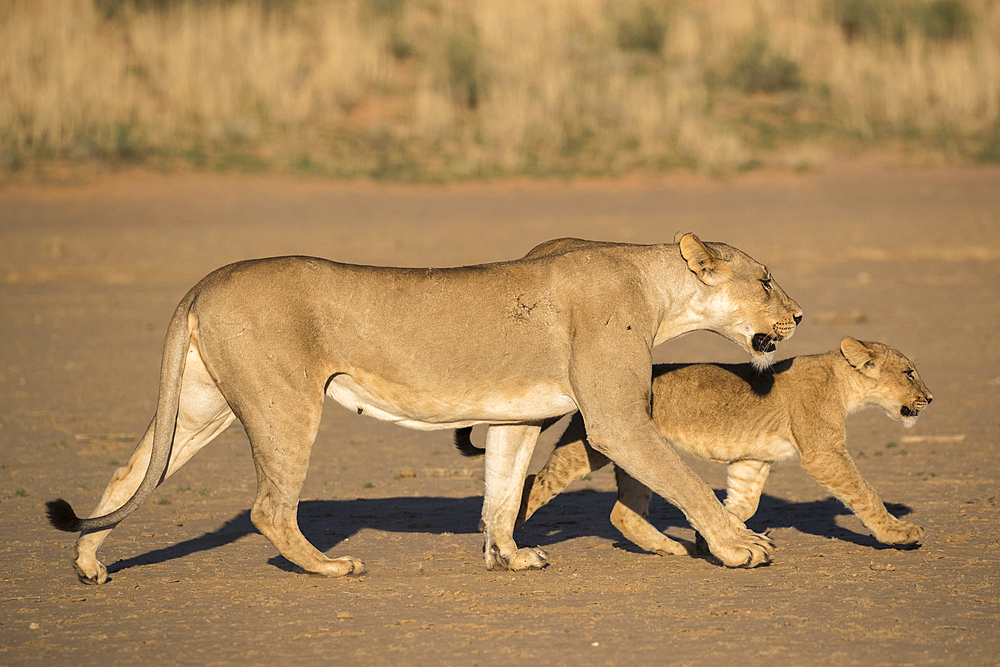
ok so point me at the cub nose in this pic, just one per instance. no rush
(797, 318)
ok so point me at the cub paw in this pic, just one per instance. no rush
(669, 547)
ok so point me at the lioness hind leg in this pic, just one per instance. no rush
(122, 486)
(281, 443)
(630, 517)
(202, 415)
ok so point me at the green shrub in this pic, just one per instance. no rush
(756, 69)
(645, 31)
(461, 54)
(945, 20)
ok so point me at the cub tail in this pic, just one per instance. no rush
(463, 441)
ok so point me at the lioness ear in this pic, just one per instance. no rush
(858, 355)
(703, 262)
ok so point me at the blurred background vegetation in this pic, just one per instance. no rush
(433, 90)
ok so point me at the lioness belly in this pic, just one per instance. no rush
(428, 411)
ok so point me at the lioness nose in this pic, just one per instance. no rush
(930, 399)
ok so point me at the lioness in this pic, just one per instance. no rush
(749, 419)
(568, 327)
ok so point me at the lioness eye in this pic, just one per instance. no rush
(767, 285)
(908, 373)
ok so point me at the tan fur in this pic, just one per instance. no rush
(736, 415)
(569, 327)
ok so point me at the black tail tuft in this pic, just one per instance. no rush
(62, 516)
(463, 441)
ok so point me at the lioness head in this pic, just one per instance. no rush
(895, 385)
(748, 306)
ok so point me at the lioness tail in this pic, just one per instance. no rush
(175, 347)
(62, 516)
(463, 438)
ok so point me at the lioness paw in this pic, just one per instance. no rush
(749, 550)
(901, 532)
(526, 558)
(342, 567)
(98, 576)
(88, 570)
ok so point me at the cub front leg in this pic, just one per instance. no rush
(508, 452)
(744, 484)
(834, 469)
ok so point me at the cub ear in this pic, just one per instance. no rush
(702, 260)
(858, 355)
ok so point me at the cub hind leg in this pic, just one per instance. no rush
(630, 514)
(573, 458)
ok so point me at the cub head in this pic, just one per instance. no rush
(893, 382)
(743, 302)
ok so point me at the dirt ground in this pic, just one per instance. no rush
(90, 274)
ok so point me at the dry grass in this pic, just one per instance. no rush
(438, 89)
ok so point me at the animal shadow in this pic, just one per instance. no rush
(571, 515)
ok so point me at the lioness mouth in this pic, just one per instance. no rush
(763, 343)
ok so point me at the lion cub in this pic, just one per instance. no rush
(749, 419)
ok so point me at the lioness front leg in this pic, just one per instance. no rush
(508, 452)
(744, 484)
(618, 423)
(572, 459)
(834, 469)
(654, 463)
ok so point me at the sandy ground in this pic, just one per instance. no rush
(89, 275)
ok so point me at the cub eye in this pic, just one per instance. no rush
(908, 373)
